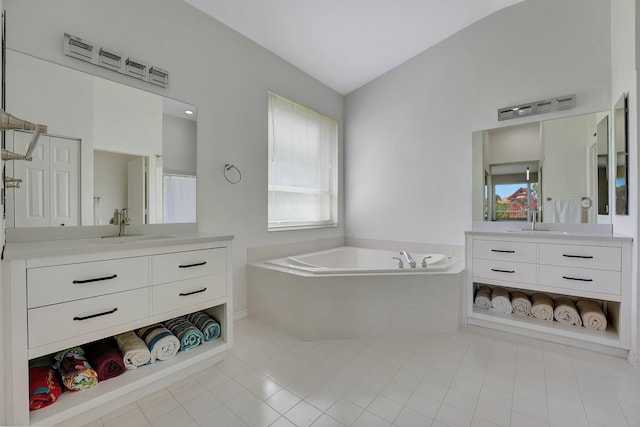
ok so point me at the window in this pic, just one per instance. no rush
(179, 199)
(303, 153)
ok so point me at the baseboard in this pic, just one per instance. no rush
(240, 314)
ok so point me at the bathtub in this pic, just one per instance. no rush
(350, 292)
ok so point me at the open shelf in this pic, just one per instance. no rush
(73, 403)
(609, 337)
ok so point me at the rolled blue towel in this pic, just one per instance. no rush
(188, 334)
(209, 326)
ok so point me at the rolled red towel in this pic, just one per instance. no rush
(44, 385)
(105, 357)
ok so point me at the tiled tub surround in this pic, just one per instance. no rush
(349, 302)
(68, 293)
(475, 377)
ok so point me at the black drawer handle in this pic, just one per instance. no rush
(192, 265)
(97, 279)
(578, 256)
(577, 278)
(96, 315)
(502, 251)
(194, 292)
(502, 271)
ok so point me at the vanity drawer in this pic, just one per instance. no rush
(581, 279)
(185, 293)
(505, 250)
(506, 271)
(187, 265)
(601, 257)
(62, 283)
(62, 321)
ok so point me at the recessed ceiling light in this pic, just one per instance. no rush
(189, 112)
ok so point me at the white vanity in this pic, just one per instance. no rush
(65, 293)
(557, 263)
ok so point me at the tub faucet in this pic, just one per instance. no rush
(400, 265)
(407, 256)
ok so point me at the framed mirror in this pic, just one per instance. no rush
(551, 171)
(620, 140)
(109, 146)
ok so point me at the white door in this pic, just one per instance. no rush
(592, 181)
(49, 191)
(137, 190)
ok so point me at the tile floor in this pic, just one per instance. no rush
(476, 377)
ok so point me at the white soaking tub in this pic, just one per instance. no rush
(356, 292)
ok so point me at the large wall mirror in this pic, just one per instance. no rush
(620, 138)
(549, 171)
(109, 146)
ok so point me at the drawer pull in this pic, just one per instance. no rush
(96, 315)
(502, 271)
(192, 265)
(97, 279)
(577, 278)
(578, 256)
(194, 292)
(502, 251)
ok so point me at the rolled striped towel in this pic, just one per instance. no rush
(500, 301)
(188, 334)
(520, 302)
(592, 315)
(542, 307)
(134, 351)
(483, 297)
(161, 342)
(566, 312)
(209, 326)
(76, 372)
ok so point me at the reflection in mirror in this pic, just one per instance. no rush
(549, 171)
(110, 146)
(620, 138)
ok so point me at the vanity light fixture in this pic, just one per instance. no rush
(537, 107)
(87, 51)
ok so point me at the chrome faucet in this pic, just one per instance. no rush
(400, 265)
(424, 261)
(120, 219)
(407, 256)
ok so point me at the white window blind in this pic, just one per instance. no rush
(303, 147)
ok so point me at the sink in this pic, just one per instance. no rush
(131, 238)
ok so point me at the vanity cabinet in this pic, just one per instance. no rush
(69, 293)
(573, 265)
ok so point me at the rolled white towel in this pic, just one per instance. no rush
(161, 342)
(134, 351)
(592, 315)
(483, 297)
(542, 307)
(566, 312)
(500, 301)
(521, 304)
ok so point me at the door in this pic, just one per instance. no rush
(31, 200)
(137, 190)
(64, 183)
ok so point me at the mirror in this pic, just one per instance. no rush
(109, 146)
(620, 138)
(556, 170)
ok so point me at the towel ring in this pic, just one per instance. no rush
(232, 174)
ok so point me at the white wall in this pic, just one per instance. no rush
(624, 78)
(514, 144)
(415, 122)
(110, 183)
(179, 145)
(224, 74)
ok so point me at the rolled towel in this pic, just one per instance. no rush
(521, 304)
(566, 313)
(209, 326)
(500, 301)
(161, 342)
(134, 351)
(188, 334)
(483, 297)
(592, 315)
(542, 307)
(44, 385)
(75, 370)
(105, 357)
